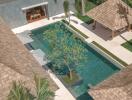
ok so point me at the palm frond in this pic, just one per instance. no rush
(42, 89)
(19, 92)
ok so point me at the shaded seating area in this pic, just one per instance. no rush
(101, 31)
(112, 14)
(35, 14)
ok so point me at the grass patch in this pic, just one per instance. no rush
(128, 45)
(81, 33)
(109, 53)
(86, 19)
(68, 81)
(97, 2)
(129, 2)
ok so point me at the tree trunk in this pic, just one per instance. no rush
(69, 18)
(83, 7)
(70, 73)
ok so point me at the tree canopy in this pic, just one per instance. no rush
(66, 51)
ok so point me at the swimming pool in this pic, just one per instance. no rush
(93, 71)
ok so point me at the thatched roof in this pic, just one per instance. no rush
(7, 76)
(17, 58)
(114, 14)
(117, 87)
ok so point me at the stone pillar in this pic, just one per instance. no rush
(129, 27)
(113, 34)
(83, 7)
(47, 12)
(43, 7)
(94, 25)
(25, 14)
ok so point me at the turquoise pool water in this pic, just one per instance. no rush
(93, 71)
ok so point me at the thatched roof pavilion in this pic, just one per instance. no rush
(117, 87)
(16, 63)
(113, 14)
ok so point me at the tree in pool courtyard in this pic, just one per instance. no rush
(67, 51)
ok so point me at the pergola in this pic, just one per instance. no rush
(113, 14)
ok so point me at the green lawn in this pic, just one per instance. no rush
(128, 45)
(86, 19)
(129, 2)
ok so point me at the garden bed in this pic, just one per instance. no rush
(128, 45)
(71, 82)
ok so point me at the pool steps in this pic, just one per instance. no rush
(40, 56)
